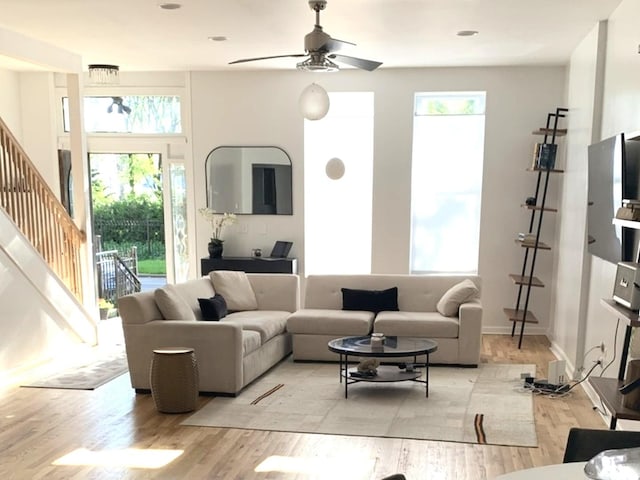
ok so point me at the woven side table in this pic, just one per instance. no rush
(174, 380)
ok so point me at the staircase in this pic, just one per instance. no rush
(43, 317)
(34, 208)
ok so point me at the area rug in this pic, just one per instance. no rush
(484, 405)
(97, 370)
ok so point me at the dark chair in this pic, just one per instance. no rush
(584, 443)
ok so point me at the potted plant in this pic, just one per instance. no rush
(105, 307)
(218, 221)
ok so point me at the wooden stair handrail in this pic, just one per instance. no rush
(37, 212)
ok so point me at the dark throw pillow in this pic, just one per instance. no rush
(370, 300)
(214, 308)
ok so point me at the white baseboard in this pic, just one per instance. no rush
(506, 330)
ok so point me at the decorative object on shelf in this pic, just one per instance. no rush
(215, 248)
(531, 201)
(630, 210)
(314, 102)
(369, 366)
(526, 237)
(626, 289)
(218, 221)
(100, 74)
(257, 252)
(335, 169)
(377, 339)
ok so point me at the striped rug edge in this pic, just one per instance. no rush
(267, 393)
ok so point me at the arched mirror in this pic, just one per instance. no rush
(249, 180)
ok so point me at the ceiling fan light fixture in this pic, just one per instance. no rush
(317, 63)
(335, 169)
(314, 102)
(101, 74)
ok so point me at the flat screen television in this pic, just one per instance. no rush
(613, 176)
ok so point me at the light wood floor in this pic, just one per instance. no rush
(39, 426)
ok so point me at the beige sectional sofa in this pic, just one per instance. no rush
(231, 352)
(419, 299)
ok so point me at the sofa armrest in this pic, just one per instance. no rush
(217, 346)
(276, 291)
(470, 332)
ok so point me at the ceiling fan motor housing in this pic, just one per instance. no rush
(317, 40)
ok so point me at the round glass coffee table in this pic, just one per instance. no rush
(392, 347)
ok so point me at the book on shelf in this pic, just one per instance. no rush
(544, 156)
(547, 158)
(536, 156)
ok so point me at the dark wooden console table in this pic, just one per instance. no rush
(607, 388)
(250, 264)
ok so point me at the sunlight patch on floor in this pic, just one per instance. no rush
(345, 467)
(130, 458)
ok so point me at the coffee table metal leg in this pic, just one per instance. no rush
(346, 374)
(426, 376)
(340, 371)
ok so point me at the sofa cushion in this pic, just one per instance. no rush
(214, 308)
(250, 342)
(267, 323)
(235, 288)
(416, 324)
(458, 294)
(370, 300)
(172, 305)
(330, 322)
(191, 290)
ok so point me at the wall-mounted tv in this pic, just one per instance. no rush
(613, 176)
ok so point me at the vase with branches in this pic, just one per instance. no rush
(218, 221)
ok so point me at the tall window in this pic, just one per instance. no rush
(446, 181)
(337, 213)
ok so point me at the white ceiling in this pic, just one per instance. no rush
(137, 35)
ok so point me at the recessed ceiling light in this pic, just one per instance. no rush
(218, 38)
(170, 6)
(467, 33)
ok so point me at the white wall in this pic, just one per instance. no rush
(261, 108)
(10, 101)
(39, 106)
(580, 322)
(572, 262)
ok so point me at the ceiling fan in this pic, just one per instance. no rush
(320, 48)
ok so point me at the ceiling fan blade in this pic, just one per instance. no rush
(243, 60)
(368, 65)
(333, 45)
